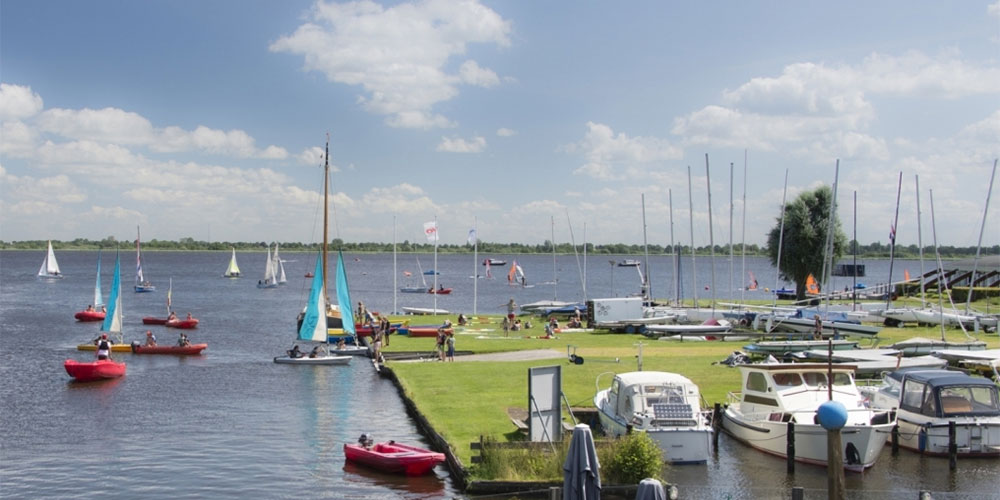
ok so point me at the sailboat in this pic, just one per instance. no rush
(313, 327)
(50, 267)
(269, 280)
(112, 326)
(279, 267)
(515, 275)
(172, 320)
(93, 312)
(233, 271)
(414, 288)
(141, 283)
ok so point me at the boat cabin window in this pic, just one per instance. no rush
(756, 382)
(958, 400)
(913, 395)
(666, 394)
(842, 379)
(929, 406)
(786, 380)
(815, 379)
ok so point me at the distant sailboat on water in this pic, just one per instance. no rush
(50, 267)
(233, 271)
(141, 283)
(279, 267)
(269, 280)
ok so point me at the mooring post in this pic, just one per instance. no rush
(895, 439)
(798, 493)
(555, 493)
(952, 446)
(790, 447)
(834, 464)
(716, 424)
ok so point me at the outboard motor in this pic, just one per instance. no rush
(366, 440)
(852, 455)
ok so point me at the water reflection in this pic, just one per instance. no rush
(427, 486)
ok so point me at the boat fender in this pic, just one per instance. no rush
(135, 345)
(852, 455)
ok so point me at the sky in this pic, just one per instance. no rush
(528, 121)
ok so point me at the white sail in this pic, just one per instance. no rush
(233, 271)
(279, 268)
(269, 269)
(98, 300)
(50, 267)
(113, 319)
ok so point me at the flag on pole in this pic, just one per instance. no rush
(431, 231)
(472, 237)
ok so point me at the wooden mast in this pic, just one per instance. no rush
(326, 198)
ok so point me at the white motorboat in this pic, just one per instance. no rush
(775, 394)
(931, 399)
(666, 406)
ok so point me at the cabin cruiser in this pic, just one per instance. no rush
(666, 406)
(932, 398)
(775, 394)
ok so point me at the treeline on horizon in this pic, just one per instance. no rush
(872, 250)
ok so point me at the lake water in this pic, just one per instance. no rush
(232, 424)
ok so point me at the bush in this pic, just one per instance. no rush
(631, 459)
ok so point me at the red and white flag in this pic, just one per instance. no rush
(431, 230)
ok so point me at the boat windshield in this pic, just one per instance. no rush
(663, 394)
(817, 379)
(959, 399)
(787, 380)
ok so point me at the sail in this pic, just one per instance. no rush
(233, 269)
(314, 322)
(811, 285)
(513, 269)
(269, 268)
(113, 318)
(98, 300)
(279, 268)
(344, 296)
(138, 264)
(50, 267)
(170, 292)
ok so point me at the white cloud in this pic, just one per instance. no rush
(609, 156)
(506, 132)
(993, 9)
(401, 198)
(18, 139)
(398, 54)
(18, 102)
(459, 145)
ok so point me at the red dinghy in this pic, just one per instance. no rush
(89, 316)
(440, 291)
(394, 457)
(96, 370)
(149, 320)
(187, 350)
(185, 324)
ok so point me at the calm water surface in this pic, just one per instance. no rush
(233, 424)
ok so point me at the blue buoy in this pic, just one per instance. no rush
(832, 415)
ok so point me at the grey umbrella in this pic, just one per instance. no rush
(582, 472)
(650, 489)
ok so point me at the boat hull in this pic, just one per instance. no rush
(973, 437)
(177, 350)
(114, 347)
(394, 457)
(96, 370)
(149, 320)
(319, 360)
(183, 324)
(144, 289)
(424, 310)
(85, 316)
(423, 331)
(442, 291)
(810, 439)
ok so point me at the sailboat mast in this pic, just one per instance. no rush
(475, 265)
(711, 237)
(731, 254)
(395, 271)
(940, 267)
(648, 289)
(854, 250)
(831, 228)
(920, 244)
(892, 242)
(982, 228)
(694, 259)
(673, 248)
(435, 288)
(781, 237)
(326, 222)
(555, 275)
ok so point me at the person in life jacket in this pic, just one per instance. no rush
(104, 347)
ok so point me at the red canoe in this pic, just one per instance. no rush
(440, 291)
(424, 331)
(184, 324)
(89, 316)
(188, 350)
(394, 457)
(95, 370)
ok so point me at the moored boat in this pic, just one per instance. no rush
(95, 370)
(775, 394)
(666, 406)
(933, 398)
(393, 457)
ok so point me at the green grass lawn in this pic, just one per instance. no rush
(465, 400)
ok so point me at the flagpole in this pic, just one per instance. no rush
(434, 290)
(395, 271)
(475, 265)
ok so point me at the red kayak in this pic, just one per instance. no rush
(96, 370)
(187, 350)
(149, 320)
(89, 316)
(184, 324)
(440, 291)
(423, 331)
(394, 457)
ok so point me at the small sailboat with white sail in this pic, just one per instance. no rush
(93, 312)
(141, 283)
(104, 368)
(112, 325)
(408, 288)
(233, 271)
(50, 267)
(313, 327)
(269, 281)
(279, 267)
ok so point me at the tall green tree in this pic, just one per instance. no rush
(807, 221)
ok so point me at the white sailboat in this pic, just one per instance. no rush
(313, 327)
(269, 280)
(279, 267)
(50, 267)
(233, 271)
(141, 283)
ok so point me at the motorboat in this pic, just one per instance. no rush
(666, 406)
(933, 398)
(392, 456)
(629, 263)
(775, 394)
(494, 262)
(95, 370)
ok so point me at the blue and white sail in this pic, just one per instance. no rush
(344, 296)
(314, 321)
(98, 300)
(113, 318)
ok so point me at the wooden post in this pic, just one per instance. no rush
(834, 465)
(895, 439)
(952, 446)
(555, 493)
(790, 447)
(798, 493)
(716, 425)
